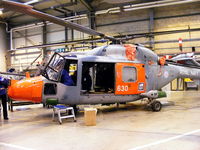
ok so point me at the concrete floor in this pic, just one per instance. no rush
(130, 126)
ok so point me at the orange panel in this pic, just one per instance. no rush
(37, 91)
(29, 89)
(133, 87)
(13, 82)
(130, 51)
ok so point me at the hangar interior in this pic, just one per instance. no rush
(27, 42)
(156, 25)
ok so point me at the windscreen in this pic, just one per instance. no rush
(54, 68)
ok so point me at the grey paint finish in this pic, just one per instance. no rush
(156, 75)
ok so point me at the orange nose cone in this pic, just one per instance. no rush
(29, 89)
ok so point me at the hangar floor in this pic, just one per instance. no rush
(127, 127)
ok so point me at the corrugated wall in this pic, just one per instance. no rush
(21, 59)
(184, 17)
(3, 47)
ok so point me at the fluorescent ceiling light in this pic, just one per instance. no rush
(1, 11)
(31, 2)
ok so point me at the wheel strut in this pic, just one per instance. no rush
(154, 105)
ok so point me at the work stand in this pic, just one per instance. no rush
(63, 112)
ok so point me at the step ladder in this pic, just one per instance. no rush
(59, 109)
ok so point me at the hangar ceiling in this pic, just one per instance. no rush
(62, 8)
(68, 8)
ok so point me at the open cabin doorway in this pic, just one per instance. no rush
(97, 78)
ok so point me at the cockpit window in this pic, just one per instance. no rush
(57, 63)
(54, 67)
(61, 70)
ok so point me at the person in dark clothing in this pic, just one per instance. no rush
(86, 80)
(3, 95)
(74, 77)
(66, 78)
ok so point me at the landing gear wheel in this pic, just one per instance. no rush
(156, 106)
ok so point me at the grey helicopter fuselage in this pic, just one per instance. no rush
(152, 75)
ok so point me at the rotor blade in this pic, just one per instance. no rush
(27, 9)
(8, 73)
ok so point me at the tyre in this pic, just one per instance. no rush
(156, 106)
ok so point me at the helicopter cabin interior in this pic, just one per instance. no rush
(98, 77)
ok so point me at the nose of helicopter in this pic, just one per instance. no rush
(29, 89)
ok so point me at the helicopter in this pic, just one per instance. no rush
(115, 73)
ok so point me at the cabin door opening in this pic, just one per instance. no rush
(130, 79)
(97, 77)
